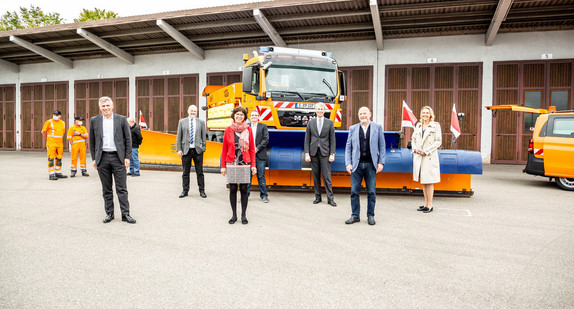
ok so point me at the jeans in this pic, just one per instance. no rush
(260, 165)
(135, 162)
(368, 172)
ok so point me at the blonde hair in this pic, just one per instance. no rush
(430, 111)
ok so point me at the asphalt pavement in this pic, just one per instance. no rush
(511, 245)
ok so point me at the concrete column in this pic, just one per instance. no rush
(18, 112)
(132, 97)
(487, 100)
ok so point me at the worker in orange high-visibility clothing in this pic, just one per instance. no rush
(77, 135)
(54, 130)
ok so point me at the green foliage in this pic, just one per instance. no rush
(28, 18)
(95, 14)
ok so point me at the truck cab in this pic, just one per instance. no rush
(283, 85)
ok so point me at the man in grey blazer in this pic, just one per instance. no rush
(364, 158)
(191, 140)
(111, 150)
(319, 149)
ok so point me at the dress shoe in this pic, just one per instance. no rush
(427, 210)
(332, 203)
(265, 200)
(202, 194)
(129, 174)
(109, 218)
(420, 208)
(244, 220)
(53, 177)
(128, 219)
(59, 175)
(317, 201)
(183, 194)
(232, 220)
(371, 220)
(73, 174)
(352, 220)
(85, 174)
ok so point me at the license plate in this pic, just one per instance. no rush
(305, 105)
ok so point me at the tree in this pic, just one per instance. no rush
(95, 14)
(28, 18)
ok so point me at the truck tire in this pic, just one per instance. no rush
(565, 183)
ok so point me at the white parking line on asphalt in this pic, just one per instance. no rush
(455, 212)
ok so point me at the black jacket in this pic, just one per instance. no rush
(136, 136)
(122, 137)
(261, 141)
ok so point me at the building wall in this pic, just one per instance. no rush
(448, 49)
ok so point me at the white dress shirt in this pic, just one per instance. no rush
(254, 129)
(365, 128)
(192, 140)
(108, 134)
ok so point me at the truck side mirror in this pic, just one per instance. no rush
(247, 79)
(342, 83)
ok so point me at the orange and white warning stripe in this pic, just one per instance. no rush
(265, 113)
(283, 104)
(329, 106)
(338, 115)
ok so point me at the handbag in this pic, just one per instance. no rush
(238, 173)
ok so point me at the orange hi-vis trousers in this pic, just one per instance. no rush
(78, 152)
(55, 154)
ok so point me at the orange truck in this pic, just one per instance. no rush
(551, 149)
(284, 85)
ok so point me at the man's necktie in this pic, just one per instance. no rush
(191, 132)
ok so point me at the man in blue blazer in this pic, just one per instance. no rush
(364, 158)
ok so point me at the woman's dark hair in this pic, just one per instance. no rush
(239, 109)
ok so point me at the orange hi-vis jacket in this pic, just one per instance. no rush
(77, 139)
(55, 132)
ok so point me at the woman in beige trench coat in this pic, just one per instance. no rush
(426, 140)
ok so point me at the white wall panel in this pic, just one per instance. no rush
(448, 49)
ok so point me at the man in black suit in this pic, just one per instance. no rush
(111, 150)
(319, 149)
(261, 138)
(190, 144)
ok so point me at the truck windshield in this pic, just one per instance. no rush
(303, 82)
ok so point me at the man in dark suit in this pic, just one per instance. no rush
(364, 158)
(191, 140)
(111, 150)
(319, 149)
(261, 138)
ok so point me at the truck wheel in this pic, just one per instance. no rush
(565, 183)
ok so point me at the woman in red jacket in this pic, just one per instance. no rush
(238, 149)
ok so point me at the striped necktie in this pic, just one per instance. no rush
(191, 132)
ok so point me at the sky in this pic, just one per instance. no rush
(70, 9)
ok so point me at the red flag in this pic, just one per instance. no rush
(454, 125)
(142, 121)
(408, 118)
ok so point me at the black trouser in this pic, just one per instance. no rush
(186, 164)
(233, 198)
(111, 166)
(321, 165)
